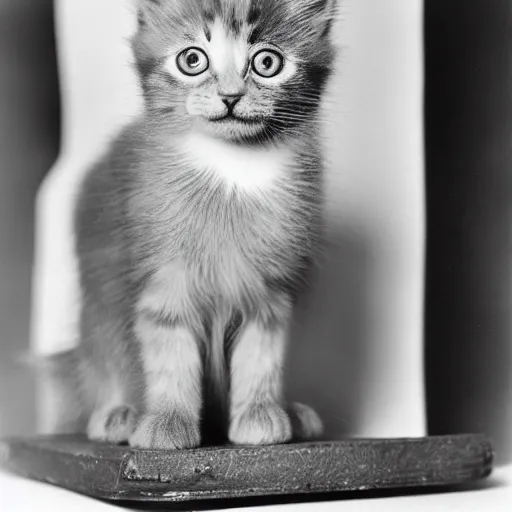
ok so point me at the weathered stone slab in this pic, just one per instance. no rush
(122, 474)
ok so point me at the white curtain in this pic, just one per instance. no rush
(356, 352)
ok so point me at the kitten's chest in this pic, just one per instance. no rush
(244, 201)
(245, 233)
(237, 215)
(240, 251)
(250, 216)
(248, 171)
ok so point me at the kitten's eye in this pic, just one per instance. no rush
(192, 62)
(268, 63)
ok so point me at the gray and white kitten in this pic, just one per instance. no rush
(196, 231)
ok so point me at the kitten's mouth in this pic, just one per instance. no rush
(231, 118)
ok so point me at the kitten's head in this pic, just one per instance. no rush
(242, 70)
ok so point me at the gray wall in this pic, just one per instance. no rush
(28, 145)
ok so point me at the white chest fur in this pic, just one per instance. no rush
(248, 169)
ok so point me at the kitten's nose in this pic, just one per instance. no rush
(231, 100)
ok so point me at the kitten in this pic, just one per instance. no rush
(196, 231)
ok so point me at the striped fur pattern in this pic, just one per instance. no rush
(196, 231)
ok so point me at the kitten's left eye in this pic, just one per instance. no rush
(268, 63)
(192, 62)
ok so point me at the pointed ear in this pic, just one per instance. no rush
(330, 14)
(147, 10)
(321, 13)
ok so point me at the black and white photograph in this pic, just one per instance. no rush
(256, 254)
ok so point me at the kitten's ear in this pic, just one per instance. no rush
(320, 13)
(147, 10)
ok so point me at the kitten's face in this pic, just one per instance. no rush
(243, 70)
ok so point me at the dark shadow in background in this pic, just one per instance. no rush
(29, 137)
(469, 185)
(329, 346)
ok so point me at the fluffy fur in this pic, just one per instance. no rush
(196, 231)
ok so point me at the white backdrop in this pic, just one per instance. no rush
(357, 348)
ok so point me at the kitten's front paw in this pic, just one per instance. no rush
(166, 431)
(261, 424)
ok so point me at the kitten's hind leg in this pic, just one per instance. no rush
(111, 380)
(113, 424)
(306, 424)
(114, 415)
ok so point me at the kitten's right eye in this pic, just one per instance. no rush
(267, 63)
(192, 61)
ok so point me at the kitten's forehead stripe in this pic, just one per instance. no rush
(231, 19)
(255, 35)
(235, 25)
(253, 15)
(209, 16)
